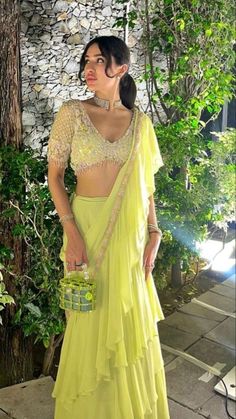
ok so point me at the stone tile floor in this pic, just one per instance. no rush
(209, 337)
(200, 332)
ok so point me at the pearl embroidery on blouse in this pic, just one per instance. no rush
(74, 136)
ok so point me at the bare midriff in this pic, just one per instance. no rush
(97, 180)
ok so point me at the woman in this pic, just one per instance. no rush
(111, 365)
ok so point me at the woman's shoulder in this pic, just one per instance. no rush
(144, 118)
(71, 103)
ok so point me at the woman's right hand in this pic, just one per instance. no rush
(75, 254)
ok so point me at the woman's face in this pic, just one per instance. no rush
(94, 70)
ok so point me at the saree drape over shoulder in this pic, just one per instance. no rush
(111, 365)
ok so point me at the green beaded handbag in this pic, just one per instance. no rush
(77, 292)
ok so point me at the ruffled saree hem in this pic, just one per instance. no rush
(114, 351)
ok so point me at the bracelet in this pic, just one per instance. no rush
(156, 232)
(152, 225)
(66, 217)
(152, 228)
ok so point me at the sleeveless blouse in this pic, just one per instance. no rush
(74, 137)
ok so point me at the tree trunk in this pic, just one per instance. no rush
(10, 75)
(177, 279)
(176, 275)
(16, 360)
(49, 353)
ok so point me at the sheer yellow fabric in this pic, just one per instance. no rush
(111, 365)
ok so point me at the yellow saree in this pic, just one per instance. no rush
(111, 365)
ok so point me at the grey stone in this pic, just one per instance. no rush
(86, 38)
(96, 24)
(44, 67)
(3, 415)
(107, 3)
(64, 79)
(175, 338)
(45, 37)
(85, 23)
(187, 322)
(44, 134)
(215, 408)
(219, 301)
(106, 11)
(29, 400)
(44, 94)
(74, 39)
(24, 25)
(60, 6)
(73, 4)
(224, 290)
(61, 27)
(28, 118)
(47, 5)
(26, 6)
(224, 333)
(26, 71)
(199, 311)
(74, 95)
(71, 67)
(56, 89)
(41, 106)
(57, 103)
(212, 353)
(32, 62)
(184, 385)
(32, 96)
(132, 41)
(73, 22)
(76, 12)
(105, 32)
(180, 412)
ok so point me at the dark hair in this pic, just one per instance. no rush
(111, 46)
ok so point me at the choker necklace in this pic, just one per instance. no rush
(104, 103)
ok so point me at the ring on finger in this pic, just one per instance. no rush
(79, 264)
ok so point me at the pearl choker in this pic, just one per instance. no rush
(104, 103)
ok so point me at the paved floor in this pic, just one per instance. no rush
(195, 330)
(209, 337)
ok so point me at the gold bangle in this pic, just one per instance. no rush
(66, 217)
(156, 230)
(153, 225)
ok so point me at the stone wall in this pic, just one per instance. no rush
(53, 36)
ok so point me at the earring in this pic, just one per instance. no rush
(118, 77)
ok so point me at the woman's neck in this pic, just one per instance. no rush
(107, 101)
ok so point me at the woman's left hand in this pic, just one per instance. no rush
(150, 253)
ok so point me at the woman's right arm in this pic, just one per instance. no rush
(75, 251)
(59, 149)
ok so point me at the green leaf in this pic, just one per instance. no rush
(6, 299)
(17, 316)
(46, 342)
(208, 32)
(35, 310)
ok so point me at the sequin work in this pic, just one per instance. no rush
(73, 136)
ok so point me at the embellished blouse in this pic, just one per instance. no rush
(74, 137)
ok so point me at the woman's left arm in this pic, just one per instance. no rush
(154, 241)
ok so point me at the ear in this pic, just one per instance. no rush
(123, 69)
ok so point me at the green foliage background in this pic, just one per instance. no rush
(189, 58)
(24, 189)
